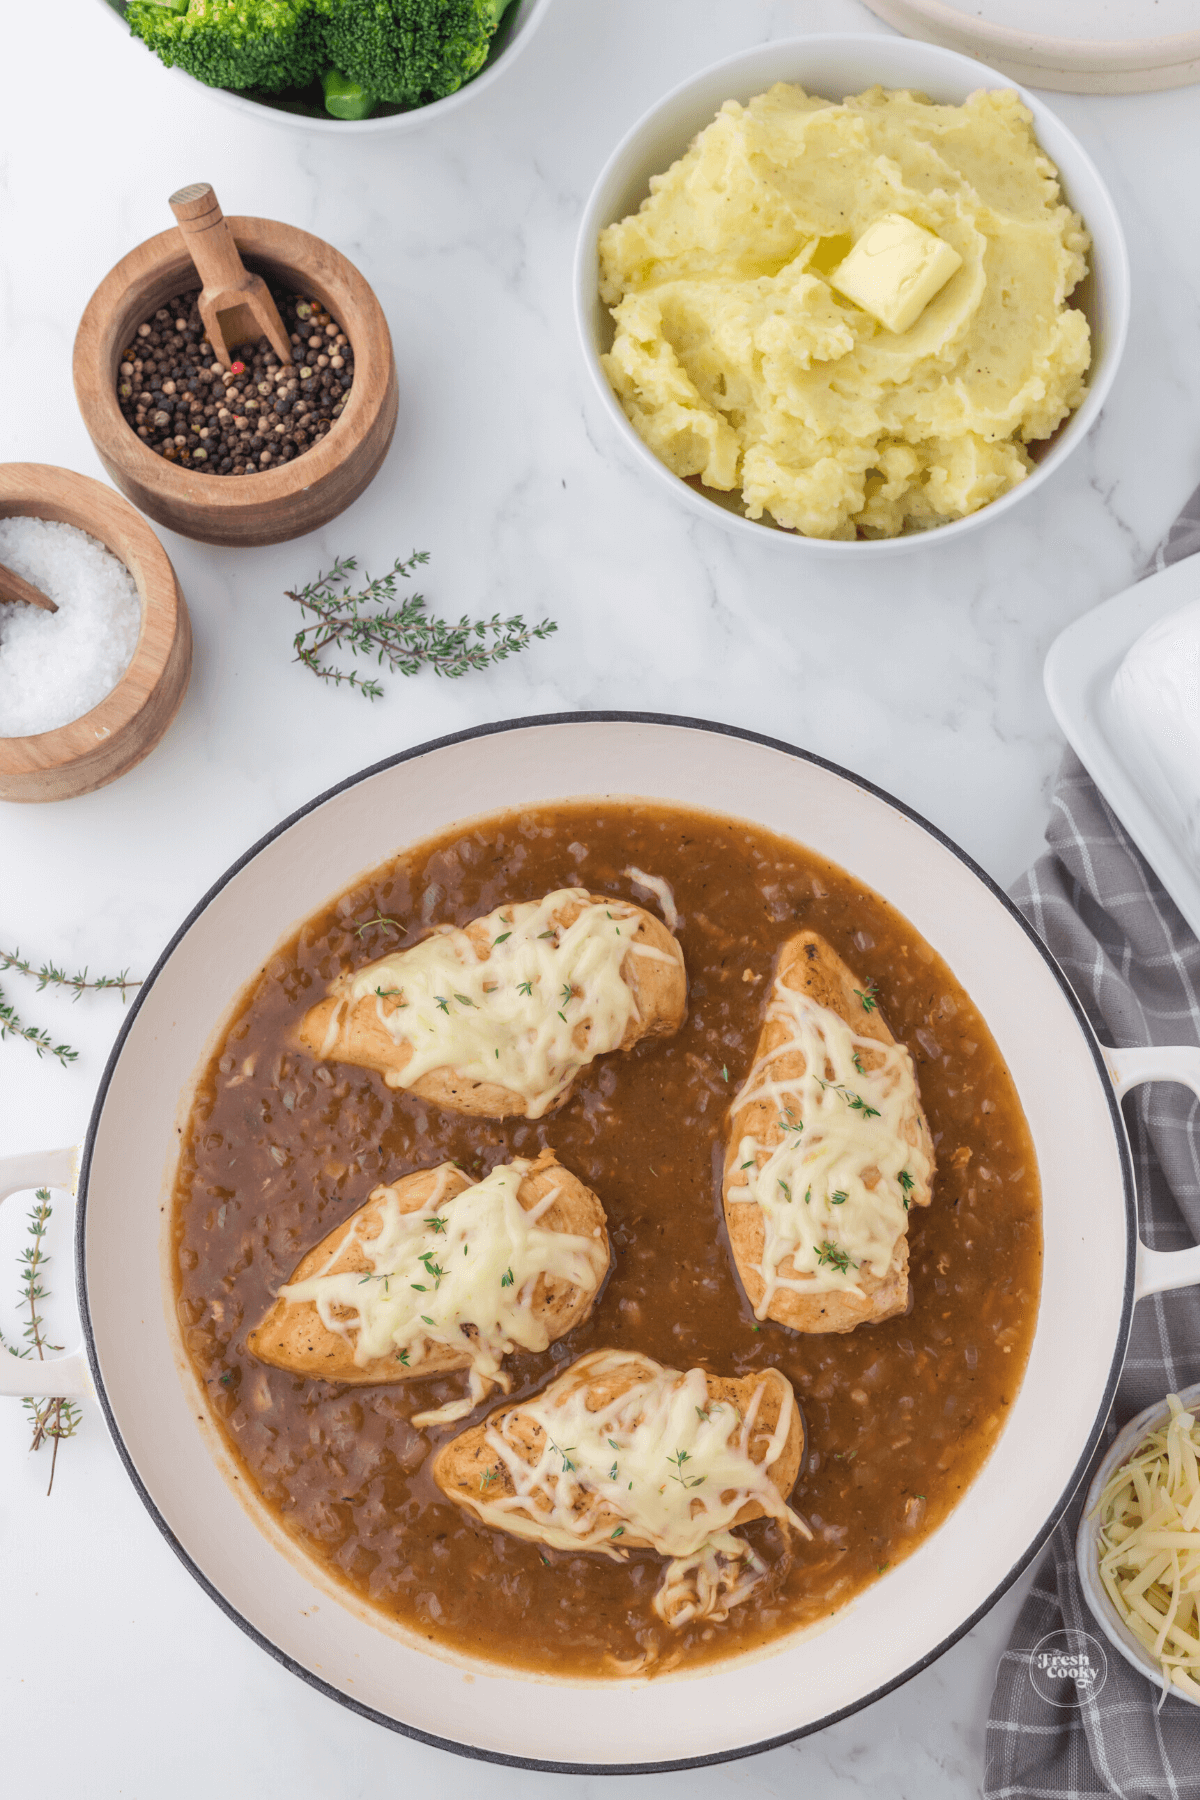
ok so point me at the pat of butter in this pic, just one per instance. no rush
(894, 271)
(1156, 708)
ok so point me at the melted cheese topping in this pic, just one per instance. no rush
(541, 1001)
(462, 1272)
(834, 1177)
(660, 1463)
(721, 1575)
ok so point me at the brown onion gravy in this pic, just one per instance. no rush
(280, 1149)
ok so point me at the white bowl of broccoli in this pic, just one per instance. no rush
(336, 65)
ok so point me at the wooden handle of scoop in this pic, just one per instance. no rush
(15, 587)
(235, 306)
(209, 239)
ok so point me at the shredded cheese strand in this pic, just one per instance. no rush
(833, 1176)
(722, 1574)
(1149, 1545)
(662, 890)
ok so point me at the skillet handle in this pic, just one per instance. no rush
(1159, 1270)
(61, 1377)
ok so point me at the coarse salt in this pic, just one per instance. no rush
(54, 667)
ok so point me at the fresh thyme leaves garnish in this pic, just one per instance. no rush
(612, 1473)
(703, 1412)
(432, 1269)
(443, 1003)
(838, 1197)
(51, 1419)
(856, 1059)
(425, 1319)
(854, 1101)
(546, 934)
(867, 996)
(391, 994)
(725, 1071)
(525, 987)
(568, 1467)
(463, 1000)
(686, 1481)
(402, 1357)
(613, 1444)
(436, 1224)
(501, 939)
(506, 1280)
(906, 1181)
(750, 1164)
(787, 1192)
(418, 1287)
(807, 1195)
(379, 919)
(49, 975)
(563, 1017)
(489, 1477)
(566, 993)
(619, 1532)
(398, 634)
(788, 1125)
(835, 1256)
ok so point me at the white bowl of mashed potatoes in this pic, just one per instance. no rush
(859, 292)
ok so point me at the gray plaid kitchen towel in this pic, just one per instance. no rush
(1135, 966)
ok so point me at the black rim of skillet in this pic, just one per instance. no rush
(738, 1751)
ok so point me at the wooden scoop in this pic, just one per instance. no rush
(235, 306)
(14, 587)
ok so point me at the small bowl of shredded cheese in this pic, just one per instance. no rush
(1138, 1546)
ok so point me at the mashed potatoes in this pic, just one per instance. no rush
(737, 361)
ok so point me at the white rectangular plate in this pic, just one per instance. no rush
(1078, 676)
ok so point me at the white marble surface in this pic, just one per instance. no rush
(117, 1673)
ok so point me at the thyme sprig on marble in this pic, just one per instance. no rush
(52, 1420)
(12, 1025)
(397, 634)
(49, 975)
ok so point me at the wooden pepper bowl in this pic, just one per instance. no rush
(276, 504)
(126, 725)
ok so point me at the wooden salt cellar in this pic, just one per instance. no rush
(126, 725)
(278, 503)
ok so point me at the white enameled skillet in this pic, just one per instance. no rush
(1095, 1268)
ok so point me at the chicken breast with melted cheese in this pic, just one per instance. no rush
(437, 1273)
(497, 1019)
(828, 1149)
(620, 1453)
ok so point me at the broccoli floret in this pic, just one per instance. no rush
(411, 51)
(269, 44)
